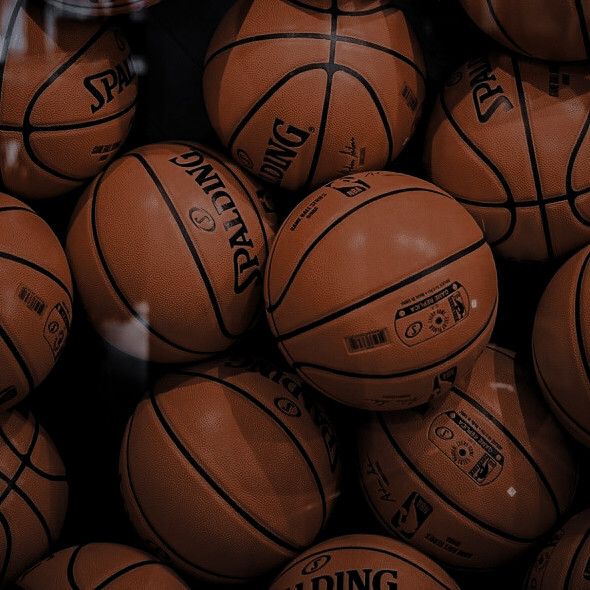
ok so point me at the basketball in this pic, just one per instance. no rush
(560, 345)
(67, 99)
(34, 494)
(304, 92)
(477, 478)
(371, 297)
(35, 300)
(229, 469)
(100, 565)
(545, 29)
(563, 563)
(168, 249)
(100, 7)
(507, 140)
(363, 561)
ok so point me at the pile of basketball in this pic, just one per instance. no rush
(380, 290)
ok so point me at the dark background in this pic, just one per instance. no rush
(87, 400)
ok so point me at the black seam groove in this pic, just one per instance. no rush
(523, 451)
(320, 37)
(40, 270)
(233, 174)
(578, 317)
(293, 548)
(274, 306)
(339, 12)
(111, 279)
(567, 584)
(510, 204)
(24, 367)
(126, 570)
(375, 376)
(532, 156)
(437, 492)
(147, 522)
(571, 193)
(278, 422)
(383, 292)
(190, 246)
(309, 558)
(503, 30)
(71, 564)
(583, 27)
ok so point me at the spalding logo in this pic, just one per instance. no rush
(283, 147)
(365, 579)
(316, 564)
(246, 263)
(488, 94)
(105, 85)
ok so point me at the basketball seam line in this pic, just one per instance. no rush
(14, 479)
(118, 291)
(583, 27)
(126, 570)
(574, 194)
(519, 446)
(293, 548)
(570, 570)
(320, 37)
(502, 29)
(8, 550)
(15, 208)
(4, 53)
(528, 132)
(430, 485)
(578, 316)
(489, 164)
(71, 563)
(239, 181)
(554, 399)
(272, 307)
(32, 103)
(37, 268)
(571, 193)
(71, 126)
(343, 373)
(127, 445)
(310, 556)
(383, 8)
(319, 146)
(383, 292)
(290, 434)
(27, 459)
(24, 367)
(192, 248)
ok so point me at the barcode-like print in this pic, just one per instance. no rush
(31, 300)
(367, 341)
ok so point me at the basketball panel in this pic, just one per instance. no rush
(13, 383)
(420, 516)
(97, 83)
(495, 222)
(568, 232)
(49, 574)
(356, 137)
(246, 63)
(248, 454)
(196, 534)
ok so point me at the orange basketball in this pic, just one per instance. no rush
(561, 337)
(168, 249)
(67, 99)
(363, 561)
(304, 92)
(229, 469)
(545, 29)
(100, 565)
(100, 7)
(478, 477)
(34, 494)
(381, 290)
(508, 140)
(35, 300)
(563, 563)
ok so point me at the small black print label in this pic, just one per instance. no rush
(367, 341)
(31, 300)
